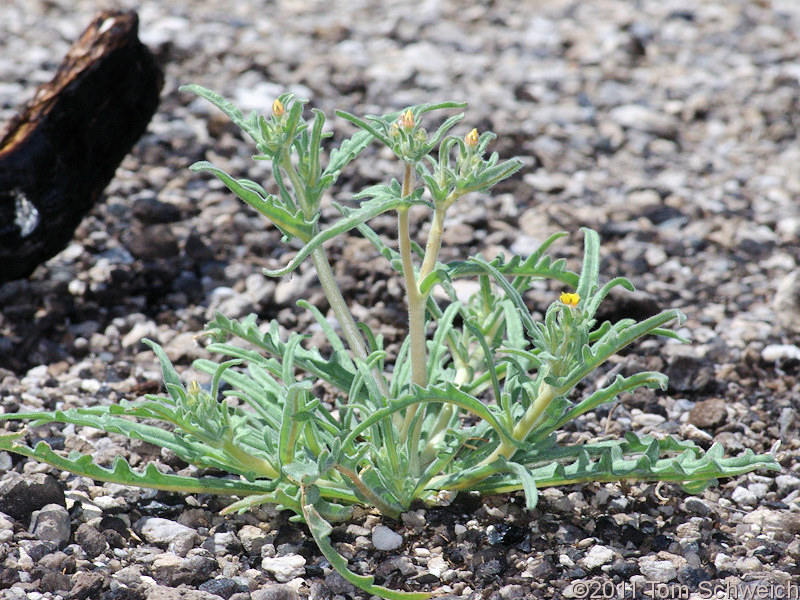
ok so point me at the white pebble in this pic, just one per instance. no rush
(385, 539)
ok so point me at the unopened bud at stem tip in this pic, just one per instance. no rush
(277, 108)
(471, 138)
(407, 120)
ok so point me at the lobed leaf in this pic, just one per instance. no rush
(121, 472)
(641, 460)
(291, 222)
(367, 210)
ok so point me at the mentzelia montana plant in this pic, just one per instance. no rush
(400, 427)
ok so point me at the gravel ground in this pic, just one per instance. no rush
(669, 126)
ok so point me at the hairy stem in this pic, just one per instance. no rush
(328, 282)
(416, 303)
(434, 242)
(526, 424)
(371, 496)
(506, 449)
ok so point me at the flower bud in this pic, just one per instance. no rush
(570, 299)
(193, 392)
(394, 130)
(407, 120)
(277, 108)
(471, 139)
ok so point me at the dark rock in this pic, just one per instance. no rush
(693, 576)
(115, 531)
(606, 528)
(51, 524)
(661, 542)
(661, 213)
(504, 534)
(338, 584)
(91, 540)
(20, 495)
(709, 414)
(576, 573)
(318, 591)
(58, 561)
(114, 524)
(457, 555)
(545, 570)
(8, 577)
(124, 593)
(203, 567)
(197, 249)
(53, 581)
(151, 243)
(688, 374)
(38, 551)
(87, 584)
(223, 587)
(467, 502)
(151, 211)
(632, 535)
(488, 563)
(624, 568)
(114, 539)
(426, 578)
(195, 517)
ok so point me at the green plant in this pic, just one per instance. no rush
(400, 427)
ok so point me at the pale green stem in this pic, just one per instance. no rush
(416, 306)
(262, 467)
(437, 433)
(416, 303)
(525, 425)
(434, 243)
(521, 431)
(371, 496)
(329, 286)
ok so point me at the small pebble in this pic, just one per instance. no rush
(385, 539)
(284, 568)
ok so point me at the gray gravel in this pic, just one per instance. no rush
(669, 126)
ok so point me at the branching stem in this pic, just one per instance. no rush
(526, 424)
(328, 282)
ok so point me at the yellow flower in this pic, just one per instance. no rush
(407, 120)
(277, 108)
(471, 139)
(570, 299)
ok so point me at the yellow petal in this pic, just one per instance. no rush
(407, 120)
(570, 299)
